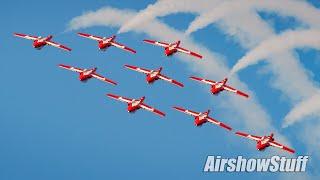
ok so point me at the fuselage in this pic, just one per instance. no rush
(105, 43)
(218, 87)
(135, 105)
(171, 49)
(201, 119)
(152, 76)
(40, 42)
(86, 74)
(264, 142)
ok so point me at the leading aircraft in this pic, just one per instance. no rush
(217, 87)
(171, 48)
(153, 75)
(106, 42)
(265, 141)
(203, 117)
(39, 42)
(135, 104)
(85, 74)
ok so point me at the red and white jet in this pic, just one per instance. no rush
(217, 87)
(265, 141)
(170, 49)
(153, 75)
(39, 42)
(135, 104)
(85, 74)
(105, 42)
(203, 117)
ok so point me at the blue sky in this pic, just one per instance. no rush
(54, 127)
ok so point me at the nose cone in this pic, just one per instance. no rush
(35, 43)
(214, 90)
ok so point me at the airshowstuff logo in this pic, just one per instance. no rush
(240, 164)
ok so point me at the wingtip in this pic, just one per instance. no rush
(226, 127)
(81, 34)
(128, 66)
(63, 65)
(177, 108)
(146, 40)
(243, 94)
(194, 78)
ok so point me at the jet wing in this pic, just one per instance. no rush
(71, 68)
(252, 137)
(278, 145)
(207, 81)
(186, 111)
(188, 52)
(216, 122)
(138, 69)
(118, 45)
(119, 98)
(57, 45)
(149, 108)
(89, 36)
(97, 76)
(25, 36)
(231, 89)
(157, 43)
(170, 80)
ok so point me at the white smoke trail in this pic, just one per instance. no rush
(301, 10)
(165, 7)
(277, 44)
(308, 107)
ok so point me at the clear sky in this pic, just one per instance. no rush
(52, 126)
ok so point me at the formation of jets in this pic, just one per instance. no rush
(151, 76)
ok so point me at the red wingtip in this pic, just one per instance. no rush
(83, 34)
(111, 95)
(195, 78)
(225, 126)
(243, 94)
(178, 108)
(240, 133)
